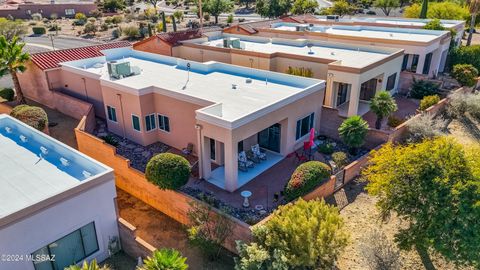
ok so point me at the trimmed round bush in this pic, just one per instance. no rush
(168, 171)
(7, 93)
(465, 74)
(306, 177)
(33, 116)
(39, 30)
(340, 158)
(428, 101)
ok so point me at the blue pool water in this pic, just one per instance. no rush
(62, 157)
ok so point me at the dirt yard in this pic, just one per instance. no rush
(161, 231)
(361, 215)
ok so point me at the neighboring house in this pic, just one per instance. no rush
(221, 109)
(25, 9)
(43, 76)
(57, 206)
(458, 26)
(354, 73)
(425, 50)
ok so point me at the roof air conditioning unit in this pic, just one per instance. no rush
(333, 18)
(119, 70)
(301, 28)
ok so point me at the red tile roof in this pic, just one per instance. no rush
(51, 59)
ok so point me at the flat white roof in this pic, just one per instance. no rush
(351, 56)
(228, 92)
(403, 34)
(394, 21)
(30, 175)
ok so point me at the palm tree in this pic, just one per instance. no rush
(12, 60)
(382, 105)
(353, 131)
(164, 258)
(474, 8)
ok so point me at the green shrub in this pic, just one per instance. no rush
(80, 16)
(168, 171)
(340, 158)
(104, 27)
(230, 18)
(425, 126)
(36, 17)
(93, 265)
(466, 55)
(306, 177)
(422, 88)
(428, 101)
(54, 27)
(117, 19)
(394, 121)
(325, 148)
(109, 20)
(110, 140)
(33, 116)
(473, 105)
(457, 105)
(303, 72)
(7, 93)
(79, 22)
(116, 33)
(131, 31)
(39, 30)
(465, 74)
(90, 28)
(164, 258)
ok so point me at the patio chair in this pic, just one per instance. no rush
(243, 162)
(258, 153)
(188, 150)
(251, 156)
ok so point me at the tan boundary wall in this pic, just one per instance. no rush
(132, 244)
(172, 203)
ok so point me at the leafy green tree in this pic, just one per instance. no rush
(304, 6)
(154, 3)
(439, 10)
(382, 104)
(353, 131)
(178, 14)
(465, 74)
(113, 5)
(386, 5)
(216, 7)
(466, 55)
(10, 29)
(435, 187)
(273, 8)
(473, 8)
(164, 259)
(341, 8)
(300, 235)
(13, 60)
(168, 171)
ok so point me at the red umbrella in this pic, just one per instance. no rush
(312, 137)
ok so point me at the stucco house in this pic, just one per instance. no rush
(57, 206)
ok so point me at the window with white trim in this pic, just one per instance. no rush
(136, 123)
(304, 125)
(163, 123)
(69, 11)
(111, 114)
(150, 123)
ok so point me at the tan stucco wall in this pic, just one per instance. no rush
(34, 84)
(181, 116)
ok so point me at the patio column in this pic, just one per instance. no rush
(231, 165)
(354, 99)
(206, 163)
(435, 63)
(329, 91)
(421, 63)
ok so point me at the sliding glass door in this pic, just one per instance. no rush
(269, 138)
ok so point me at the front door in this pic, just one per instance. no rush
(269, 138)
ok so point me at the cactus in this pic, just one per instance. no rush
(150, 32)
(164, 22)
(174, 24)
